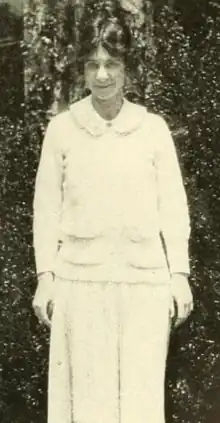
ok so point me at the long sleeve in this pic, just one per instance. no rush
(47, 203)
(172, 202)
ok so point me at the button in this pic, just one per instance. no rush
(109, 124)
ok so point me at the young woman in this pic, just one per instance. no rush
(108, 188)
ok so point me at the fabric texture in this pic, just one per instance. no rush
(108, 353)
(105, 191)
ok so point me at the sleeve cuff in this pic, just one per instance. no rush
(46, 274)
(178, 257)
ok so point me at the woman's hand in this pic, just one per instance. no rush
(182, 298)
(43, 299)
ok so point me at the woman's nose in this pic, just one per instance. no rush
(102, 74)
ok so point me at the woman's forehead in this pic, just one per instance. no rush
(100, 53)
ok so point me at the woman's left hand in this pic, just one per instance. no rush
(43, 299)
(182, 297)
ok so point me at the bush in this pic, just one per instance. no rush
(185, 90)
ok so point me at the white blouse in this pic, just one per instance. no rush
(105, 193)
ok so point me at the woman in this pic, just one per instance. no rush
(108, 189)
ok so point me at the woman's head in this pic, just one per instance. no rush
(104, 53)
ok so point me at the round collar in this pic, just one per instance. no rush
(127, 120)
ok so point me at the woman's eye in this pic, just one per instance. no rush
(111, 64)
(92, 65)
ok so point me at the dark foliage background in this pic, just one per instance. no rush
(179, 80)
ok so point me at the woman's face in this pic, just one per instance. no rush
(104, 74)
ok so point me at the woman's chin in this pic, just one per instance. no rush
(104, 94)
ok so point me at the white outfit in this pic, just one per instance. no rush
(108, 353)
(105, 193)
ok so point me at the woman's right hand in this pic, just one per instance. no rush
(43, 299)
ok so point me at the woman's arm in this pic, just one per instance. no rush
(47, 202)
(172, 201)
(47, 209)
(174, 218)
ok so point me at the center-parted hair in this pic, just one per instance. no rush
(105, 25)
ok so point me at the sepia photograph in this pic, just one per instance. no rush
(109, 211)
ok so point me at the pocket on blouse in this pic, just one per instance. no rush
(145, 252)
(82, 250)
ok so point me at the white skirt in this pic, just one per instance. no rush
(108, 353)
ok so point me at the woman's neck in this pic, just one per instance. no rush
(108, 109)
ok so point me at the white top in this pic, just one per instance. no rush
(105, 192)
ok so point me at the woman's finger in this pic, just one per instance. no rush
(191, 305)
(41, 314)
(38, 313)
(50, 310)
(189, 308)
(183, 313)
(172, 309)
(180, 312)
(45, 318)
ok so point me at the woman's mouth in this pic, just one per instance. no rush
(103, 85)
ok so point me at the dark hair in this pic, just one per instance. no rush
(104, 23)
